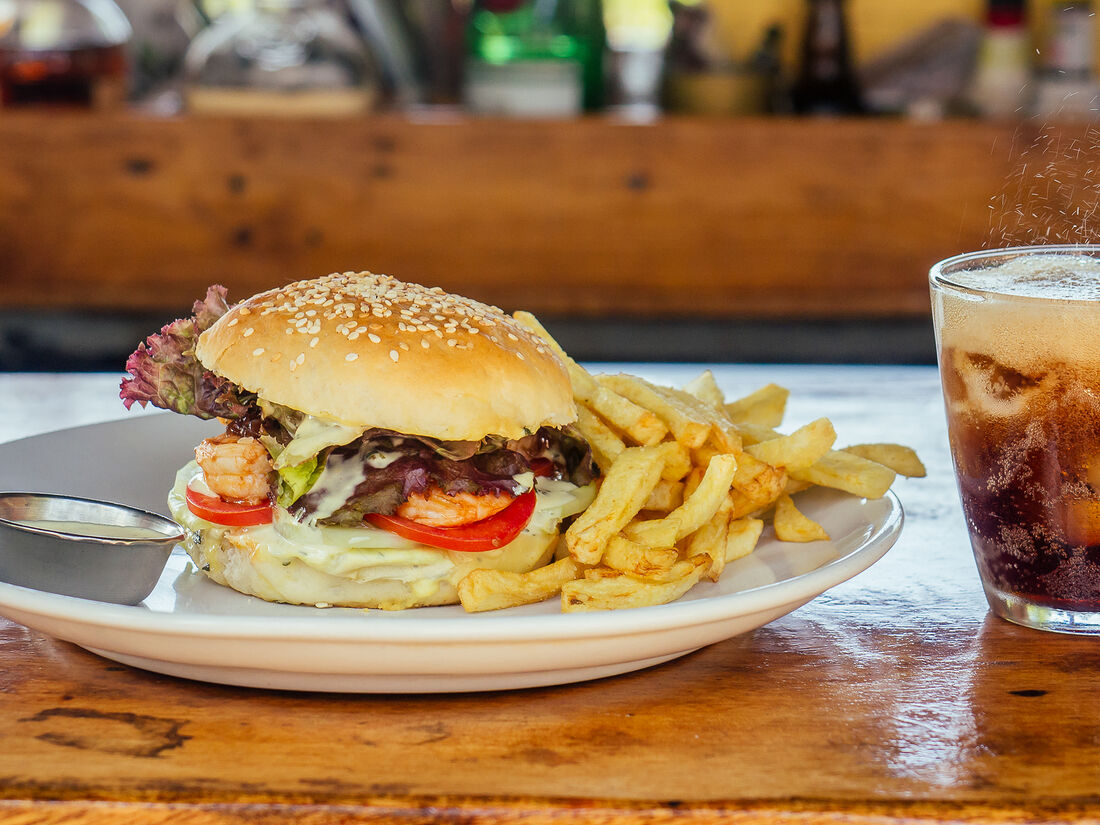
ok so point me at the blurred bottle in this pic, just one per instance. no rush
(280, 57)
(395, 38)
(637, 37)
(443, 27)
(1002, 76)
(63, 52)
(701, 77)
(826, 83)
(535, 58)
(162, 32)
(767, 64)
(1067, 85)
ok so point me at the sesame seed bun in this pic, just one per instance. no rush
(371, 351)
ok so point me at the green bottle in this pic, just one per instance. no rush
(535, 57)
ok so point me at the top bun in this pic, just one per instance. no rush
(371, 351)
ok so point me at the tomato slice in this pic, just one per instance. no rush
(229, 513)
(477, 537)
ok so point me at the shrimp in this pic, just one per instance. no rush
(238, 469)
(438, 509)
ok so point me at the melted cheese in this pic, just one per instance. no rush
(313, 435)
(365, 553)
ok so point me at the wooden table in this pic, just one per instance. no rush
(892, 698)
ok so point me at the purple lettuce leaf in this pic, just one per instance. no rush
(164, 372)
(420, 465)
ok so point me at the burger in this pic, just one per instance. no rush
(382, 440)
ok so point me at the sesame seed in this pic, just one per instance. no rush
(374, 339)
(313, 343)
(258, 352)
(302, 357)
(394, 356)
(404, 346)
(248, 332)
(351, 356)
(424, 343)
(519, 355)
(233, 323)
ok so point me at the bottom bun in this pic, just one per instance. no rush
(240, 559)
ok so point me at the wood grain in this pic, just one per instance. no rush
(892, 699)
(723, 218)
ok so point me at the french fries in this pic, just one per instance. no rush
(792, 525)
(902, 460)
(482, 590)
(612, 592)
(688, 481)
(623, 492)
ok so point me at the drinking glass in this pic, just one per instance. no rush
(1018, 339)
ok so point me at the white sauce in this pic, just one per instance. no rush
(313, 435)
(336, 484)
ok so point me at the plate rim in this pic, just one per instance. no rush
(497, 626)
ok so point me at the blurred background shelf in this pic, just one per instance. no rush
(590, 221)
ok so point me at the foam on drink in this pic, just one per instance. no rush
(1033, 310)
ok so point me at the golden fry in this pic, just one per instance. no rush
(666, 496)
(798, 450)
(763, 408)
(710, 539)
(627, 556)
(482, 590)
(637, 422)
(722, 433)
(696, 510)
(642, 425)
(848, 472)
(693, 479)
(705, 388)
(605, 444)
(677, 460)
(687, 430)
(623, 590)
(584, 385)
(792, 525)
(742, 536)
(623, 491)
(756, 485)
(902, 460)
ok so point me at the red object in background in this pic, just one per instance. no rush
(94, 77)
(500, 6)
(1006, 13)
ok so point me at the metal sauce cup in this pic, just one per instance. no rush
(82, 547)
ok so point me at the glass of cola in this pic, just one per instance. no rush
(1018, 338)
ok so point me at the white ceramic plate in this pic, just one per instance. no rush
(193, 628)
